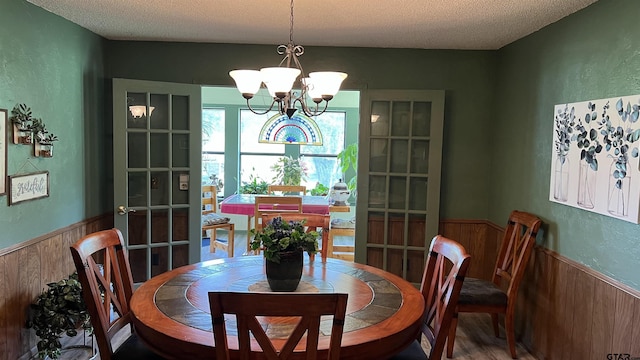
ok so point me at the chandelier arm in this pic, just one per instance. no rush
(309, 112)
(259, 112)
(297, 62)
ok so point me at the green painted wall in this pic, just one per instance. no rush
(468, 77)
(592, 54)
(56, 68)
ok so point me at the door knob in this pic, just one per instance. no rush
(123, 210)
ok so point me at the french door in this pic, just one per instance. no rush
(157, 156)
(399, 162)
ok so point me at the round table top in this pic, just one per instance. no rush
(171, 310)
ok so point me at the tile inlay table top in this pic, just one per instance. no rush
(172, 315)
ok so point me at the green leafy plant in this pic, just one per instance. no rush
(21, 115)
(59, 310)
(320, 190)
(617, 140)
(255, 185)
(278, 235)
(564, 123)
(289, 171)
(47, 138)
(348, 159)
(586, 138)
(38, 127)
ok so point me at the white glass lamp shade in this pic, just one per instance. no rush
(247, 81)
(279, 80)
(139, 111)
(312, 89)
(327, 83)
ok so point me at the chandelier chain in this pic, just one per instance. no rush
(291, 24)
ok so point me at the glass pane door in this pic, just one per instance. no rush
(157, 174)
(402, 132)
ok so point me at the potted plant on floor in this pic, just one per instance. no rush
(59, 310)
(283, 243)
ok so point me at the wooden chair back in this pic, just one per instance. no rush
(441, 284)
(515, 251)
(312, 222)
(287, 189)
(209, 199)
(303, 309)
(108, 287)
(275, 204)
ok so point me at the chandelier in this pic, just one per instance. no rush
(319, 86)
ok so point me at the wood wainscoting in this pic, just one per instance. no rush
(565, 310)
(25, 271)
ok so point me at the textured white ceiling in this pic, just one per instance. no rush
(423, 24)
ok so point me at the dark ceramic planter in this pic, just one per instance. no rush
(285, 275)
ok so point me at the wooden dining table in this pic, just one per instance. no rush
(244, 204)
(171, 310)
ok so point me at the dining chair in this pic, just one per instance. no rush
(442, 280)
(287, 189)
(304, 309)
(312, 222)
(499, 296)
(341, 227)
(275, 204)
(107, 286)
(211, 222)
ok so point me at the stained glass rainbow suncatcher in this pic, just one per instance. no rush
(299, 129)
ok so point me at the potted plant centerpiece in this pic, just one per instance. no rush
(283, 243)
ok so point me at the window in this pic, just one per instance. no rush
(321, 161)
(256, 158)
(213, 137)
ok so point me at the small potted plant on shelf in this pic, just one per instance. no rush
(22, 118)
(59, 310)
(283, 243)
(45, 144)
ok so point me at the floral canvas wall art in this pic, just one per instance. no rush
(595, 163)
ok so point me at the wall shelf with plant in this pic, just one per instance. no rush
(30, 130)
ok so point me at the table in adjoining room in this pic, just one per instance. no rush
(244, 204)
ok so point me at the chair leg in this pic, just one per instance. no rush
(496, 327)
(231, 241)
(452, 335)
(212, 240)
(511, 337)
